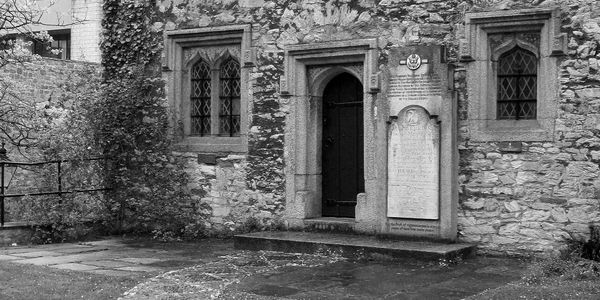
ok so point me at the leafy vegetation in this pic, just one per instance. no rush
(120, 115)
(20, 116)
(574, 274)
(149, 184)
(579, 261)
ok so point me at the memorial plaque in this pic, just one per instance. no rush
(413, 89)
(413, 165)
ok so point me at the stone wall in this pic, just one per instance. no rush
(532, 200)
(233, 203)
(259, 173)
(38, 80)
(509, 202)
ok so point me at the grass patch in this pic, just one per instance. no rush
(554, 278)
(549, 290)
(574, 274)
(21, 281)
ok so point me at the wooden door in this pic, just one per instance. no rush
(342, 156)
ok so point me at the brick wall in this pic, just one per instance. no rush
(38, 79)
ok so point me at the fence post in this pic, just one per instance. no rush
(59, 183)
(2, 195)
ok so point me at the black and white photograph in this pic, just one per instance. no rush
(299, 149)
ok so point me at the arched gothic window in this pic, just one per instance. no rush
(229, 95)
(517, 85)
(200, 98)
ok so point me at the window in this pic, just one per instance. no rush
(229, 81)
(207, 71)
(59, 48)
(517, 85)
(201, 98)
(512, 73)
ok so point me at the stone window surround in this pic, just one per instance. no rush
(177, 69)
(475, 51)
(303, 89)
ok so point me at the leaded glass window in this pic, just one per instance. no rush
(517, 85)
(200, 99)
(229, 96)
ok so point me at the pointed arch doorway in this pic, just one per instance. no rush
(342, 144)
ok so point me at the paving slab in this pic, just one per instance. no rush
(140, 260)
(50, 247)
(37, 254)
(111, 242)
(54, 260)
(140, 269)
(85, 249)
(108, 263)
(8, 257)
(116, 273)
(74, 267)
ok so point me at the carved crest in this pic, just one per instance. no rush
(413, 61)
(412, 117)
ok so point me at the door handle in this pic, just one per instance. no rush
(329, 141)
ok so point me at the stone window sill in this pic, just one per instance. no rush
(512, 130)
(212, 144)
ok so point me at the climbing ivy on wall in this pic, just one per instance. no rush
(129, 38)
(132, 126)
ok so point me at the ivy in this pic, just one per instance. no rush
(150, 192)
(129, 39)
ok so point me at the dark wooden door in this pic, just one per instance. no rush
(342, 160)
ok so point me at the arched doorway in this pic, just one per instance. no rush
(342, 144)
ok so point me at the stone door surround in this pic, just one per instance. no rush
(308, 69)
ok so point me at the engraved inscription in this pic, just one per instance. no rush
(405, 227)
(415, 87)
(413, 165)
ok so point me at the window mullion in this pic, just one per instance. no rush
(214, 101)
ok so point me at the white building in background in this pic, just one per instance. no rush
(75, 26)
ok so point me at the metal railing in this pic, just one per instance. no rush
(59, 181)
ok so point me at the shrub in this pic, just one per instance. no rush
(589, 249)
(579, 261)
(60, 218)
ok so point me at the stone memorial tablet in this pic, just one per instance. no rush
(413, 165)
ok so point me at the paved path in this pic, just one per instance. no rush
(116, 257)
(212, 269)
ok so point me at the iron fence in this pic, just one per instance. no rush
(59, 185)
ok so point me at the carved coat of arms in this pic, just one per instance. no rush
(413, 61)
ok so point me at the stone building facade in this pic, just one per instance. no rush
(506, 94)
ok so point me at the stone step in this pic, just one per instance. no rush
(326, 224)
(350, 245)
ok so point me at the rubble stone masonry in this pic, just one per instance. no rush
(508, 202)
